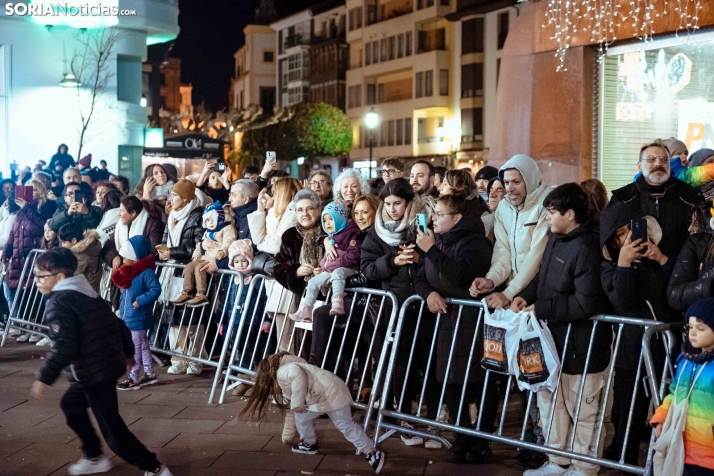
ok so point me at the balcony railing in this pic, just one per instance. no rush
(295, 40)
(431, 41)
(377, 12)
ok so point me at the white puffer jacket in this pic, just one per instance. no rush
(305, 384)
(521, 232)
(266, 230)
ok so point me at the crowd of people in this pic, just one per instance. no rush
(564, 253)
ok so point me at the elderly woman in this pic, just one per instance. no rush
(100, 189)
(300, 253)
(389, 256)
(350, 184)
(461, 184)
(183, 230)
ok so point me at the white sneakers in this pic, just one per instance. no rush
(194, 369)
(45, 341)
(23, 338)
(90, 466)
(34, 338)
(573, 471)
(548, 469)
(163, 471)
(176, 369)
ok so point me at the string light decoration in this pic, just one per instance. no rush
(602, 19)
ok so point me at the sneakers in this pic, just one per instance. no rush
(198, 301)
(574, 471)
(90, 466)
(162, 471)
(44, 342)
(176, 369)
(23, 338)
(183, 299)
(129, 384)
(410, 440)
(433, 444)
(376, 460)
(303, 314)
(194, 369)
(338, 305)
(34, 338)
(240, 390)
(304, 448)
(148, 380)
(548, 469)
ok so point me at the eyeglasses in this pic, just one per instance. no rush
(69, 194)
(41, 278)
(651, 159)
(390, 172)
(315, 183)
(441, 215)
(308, 210)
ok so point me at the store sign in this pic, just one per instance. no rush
(696, 124)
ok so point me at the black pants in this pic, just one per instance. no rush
(452, 398)
(692, 470)
(623, 398)
(102, 399)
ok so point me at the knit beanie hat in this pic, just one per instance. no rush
(242, 248)
(697, 158)
(486, 173)
(135, 248)
(215, 210)
(675, 146)
(702, 310)
(340, 216)
(85, 161)
(185, 189)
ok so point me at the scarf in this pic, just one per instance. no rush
(696, 355)
(177, 221)
(107, 225)
(125, 274)
(159, 192)
(310, 253)
(395, 233)
(123, 232)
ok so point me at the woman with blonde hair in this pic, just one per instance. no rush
(275, 215)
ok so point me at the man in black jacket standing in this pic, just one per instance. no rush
(656, 193)
(94, 347)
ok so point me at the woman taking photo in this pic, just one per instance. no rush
(211, 183)
(389, 257)
(156, 183)
(455, 254)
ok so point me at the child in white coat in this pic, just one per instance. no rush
(308, 391)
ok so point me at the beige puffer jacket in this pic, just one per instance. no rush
(305, 384)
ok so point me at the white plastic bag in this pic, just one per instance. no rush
(500, 340)
(538, 361)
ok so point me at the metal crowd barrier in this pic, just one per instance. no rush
(387, 410)
(341, 356)
(193, 334)
(27, 313)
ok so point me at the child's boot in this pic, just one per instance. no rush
(198, 301)
(304, 313)
(183, 299)
(338, 305)
(289, 428)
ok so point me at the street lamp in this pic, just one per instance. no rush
(371, 120)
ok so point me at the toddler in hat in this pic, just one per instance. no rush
(684, 422)
(344, 235)
(217, 221)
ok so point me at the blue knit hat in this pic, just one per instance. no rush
(136, 248)
(702, 310)
(215, 210)
(340, 216)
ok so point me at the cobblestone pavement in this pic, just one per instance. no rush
(193, 437)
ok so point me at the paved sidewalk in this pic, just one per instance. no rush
(193, 437)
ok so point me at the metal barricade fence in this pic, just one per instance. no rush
(27, 313)
(193, 334)
(414, 329)
(352, 343)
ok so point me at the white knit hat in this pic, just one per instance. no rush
(127, 251)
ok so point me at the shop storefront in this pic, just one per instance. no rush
(186, 152)
(658, 89)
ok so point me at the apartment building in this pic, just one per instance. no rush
(409, 65)
(254, 79)
(314, 34)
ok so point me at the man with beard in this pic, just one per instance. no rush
(656, 193)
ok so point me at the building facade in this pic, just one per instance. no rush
(34, 56)
(329, 57)
(255, 65)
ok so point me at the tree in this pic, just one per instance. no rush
(321, 130)
(92, 69)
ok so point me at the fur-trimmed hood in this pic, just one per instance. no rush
(90, 237)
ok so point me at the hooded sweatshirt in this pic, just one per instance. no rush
(88, 340)
(138, 283)
(521, 231)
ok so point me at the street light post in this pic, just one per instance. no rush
(371, 119)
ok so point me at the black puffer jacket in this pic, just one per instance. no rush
(448, 268)
(669, 203)
(693, 275)
(88, 339)
(567, 290)
(377, 264)
(192, 233)
(630, 289)
(287, 261)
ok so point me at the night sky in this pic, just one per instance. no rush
(211, 31)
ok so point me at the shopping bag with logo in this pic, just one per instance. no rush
(171, 286)
(500, 339)
(538, 362)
